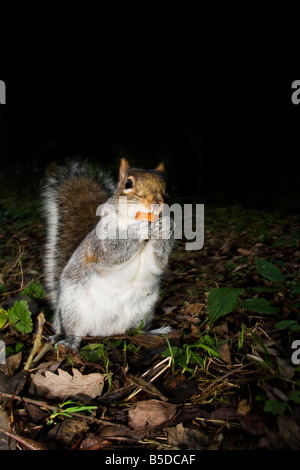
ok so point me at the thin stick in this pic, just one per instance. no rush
(221, 379)
(37, 341)
(168, 359)
(29, 443)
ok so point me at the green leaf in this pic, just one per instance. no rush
(3, 317)
(295, 396)
(77, 408)
(94, 352)
(20, 316)
(275, 406)
(268, 270)
(259, 305)
(296, 289)
(34, 290)
(173, 352)
(293, 325)
(223, 300)
(3, 289)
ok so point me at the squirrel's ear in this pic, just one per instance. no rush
(124, 167)
(161, 168)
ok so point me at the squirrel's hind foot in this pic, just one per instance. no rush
(69, 344)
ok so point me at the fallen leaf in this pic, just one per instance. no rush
(178, 389)
(63, 385)
(13, 384)
(5, 442)
(224, 351)
(223, 414)
(150, 414)
(69, 431)
(253, 424)
(245, 252)
(221, 330)
(289, 431)
(94, 442)
(28, 443)
(193, 309)
(243, 407)
(187, 438)
(285, 369)
(35, 413)
(13, 363)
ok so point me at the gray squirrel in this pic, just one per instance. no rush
(102, 270)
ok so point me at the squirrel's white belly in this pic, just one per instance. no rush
(121, 298)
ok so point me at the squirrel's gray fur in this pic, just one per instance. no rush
(100, 286)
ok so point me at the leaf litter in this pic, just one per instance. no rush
(223, 379)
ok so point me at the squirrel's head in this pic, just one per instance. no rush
(143, 187)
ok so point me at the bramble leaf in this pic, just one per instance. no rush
(259, 305)
(292, 325)
(268, 270)
(34, 291)
(223, 300)
(20, 316)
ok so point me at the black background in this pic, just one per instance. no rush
(225, 137)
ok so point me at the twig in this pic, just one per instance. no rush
(47, 347)
(29, 443)
(221, 379)
(168, 360)
(37, 341)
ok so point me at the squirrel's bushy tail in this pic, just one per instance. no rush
(71, 196)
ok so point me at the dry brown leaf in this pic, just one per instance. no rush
(187, 438)
(221, 330)
(193, 309)
(253, 424)
(224, 351)
(289, 431)
(13, 363)
(245, 252)
(243, 407)
(5, 442)
(150, 414)
(69, 431)
(63, 384)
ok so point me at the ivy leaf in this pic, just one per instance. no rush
(223, 300)
(20, 316)
(268, 270)
(259, 305)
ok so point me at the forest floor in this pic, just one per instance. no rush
(227, 377)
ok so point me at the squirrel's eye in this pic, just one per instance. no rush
(129, 184)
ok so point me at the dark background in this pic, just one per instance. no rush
(229, 138)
